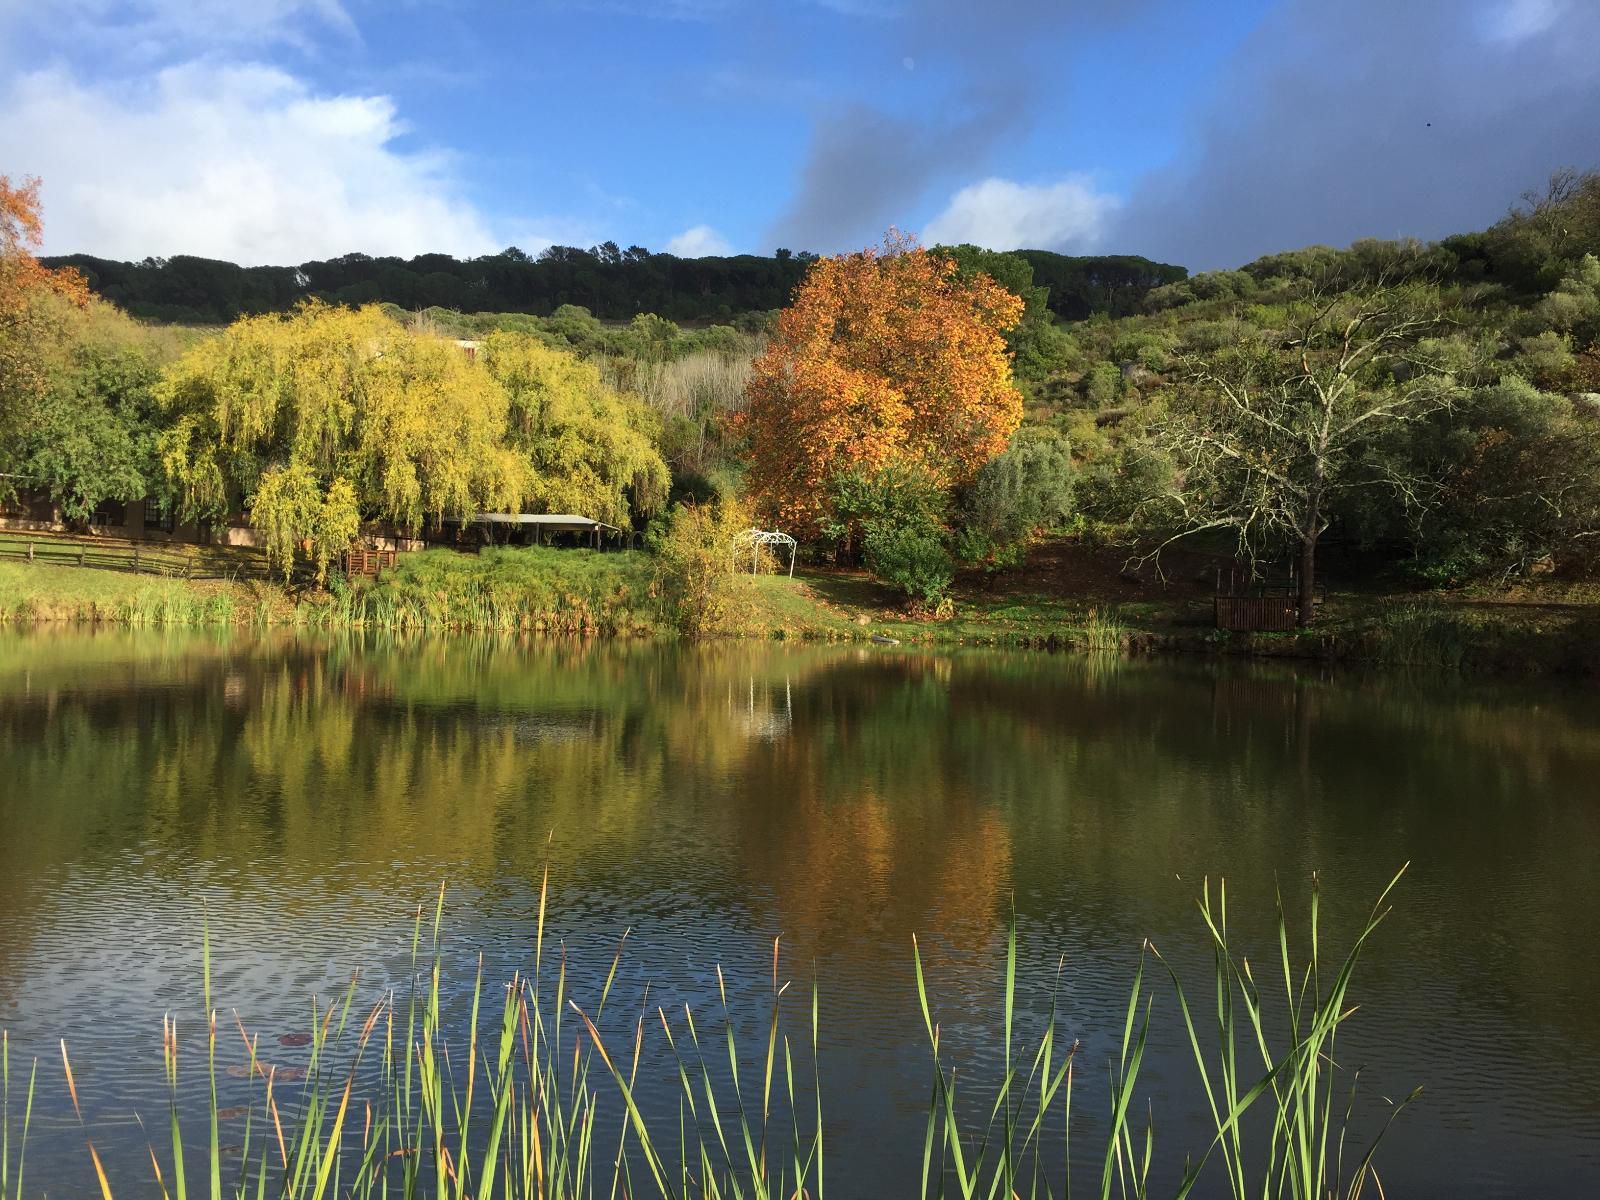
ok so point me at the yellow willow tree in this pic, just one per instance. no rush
(588, 447)
(885, 358)
(326, 416)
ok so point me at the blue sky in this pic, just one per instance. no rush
(1202, 133)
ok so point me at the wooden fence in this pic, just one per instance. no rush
(1268, 613)
(138, 558)
(367, 562)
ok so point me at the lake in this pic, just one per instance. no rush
(300, 796)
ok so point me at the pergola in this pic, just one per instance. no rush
(542, 523)
(757, 538)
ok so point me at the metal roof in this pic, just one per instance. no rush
(556, 520)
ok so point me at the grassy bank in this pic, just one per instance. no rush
(48, 592)
(545, 1092)
(1065, 599)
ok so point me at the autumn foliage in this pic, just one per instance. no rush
(885, 358)
(21, 232)
(24, 281)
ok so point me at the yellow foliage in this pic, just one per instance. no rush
(588, 445)
(289, 412)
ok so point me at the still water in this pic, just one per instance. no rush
(303, 796)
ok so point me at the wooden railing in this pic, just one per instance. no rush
(139, 558)
(367, 562)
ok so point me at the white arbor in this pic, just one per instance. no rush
(755, 539)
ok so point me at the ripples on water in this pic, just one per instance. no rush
(309, 795)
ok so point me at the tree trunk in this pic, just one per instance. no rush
(1308, 568)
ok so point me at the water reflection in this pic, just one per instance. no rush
(310, 792)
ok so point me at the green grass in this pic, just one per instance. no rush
(585, 592)
(537, 588)
(530, 1099)
(37, 591)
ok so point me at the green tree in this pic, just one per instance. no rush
(912, 559)
(1518, 484)
(1267, 436)
(89, 435)
(1016, 495)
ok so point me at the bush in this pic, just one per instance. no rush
(1017, 494)
(694, 567)
(895, 497)
(912, 560)
(1102, 385)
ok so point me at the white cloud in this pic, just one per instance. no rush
(239, 162)
(1002, 214)
(1518, 20)
(700, 242)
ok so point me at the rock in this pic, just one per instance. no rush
(863, 619)
(884, 640)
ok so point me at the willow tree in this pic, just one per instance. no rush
(326, 416)
(588, 449)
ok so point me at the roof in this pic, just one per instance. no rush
(547, 520)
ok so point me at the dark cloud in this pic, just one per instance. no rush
(867, 167)
(1376, 118)
(864, 165)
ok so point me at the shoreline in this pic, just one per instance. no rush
(1395, 631)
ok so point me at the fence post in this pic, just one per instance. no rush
(136, 559)
(83, 554)
(30, 551)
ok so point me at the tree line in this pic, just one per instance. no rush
(611, 283)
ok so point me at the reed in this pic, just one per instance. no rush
(531, 1099)
(1425, 635)
(1103, 629)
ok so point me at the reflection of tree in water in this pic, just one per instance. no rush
(844, 796)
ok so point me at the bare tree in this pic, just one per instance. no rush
(1265, 434)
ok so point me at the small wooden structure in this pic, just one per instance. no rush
(541, 525)
(1274, 614)
(359, 561)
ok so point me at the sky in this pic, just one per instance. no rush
(1201, 132)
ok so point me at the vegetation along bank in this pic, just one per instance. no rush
(1396, 444)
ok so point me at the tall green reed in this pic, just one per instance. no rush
(1303, 1154)
(389, 1104)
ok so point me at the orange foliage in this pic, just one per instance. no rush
(21, 231)
(886, 356)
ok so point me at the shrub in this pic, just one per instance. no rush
(1102, 385)
(895, 497)
(694, 577)
(1016, 494)
(912, 560)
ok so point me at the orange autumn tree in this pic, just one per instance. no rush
(885, 359)
(24, 281)
(22, 276)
